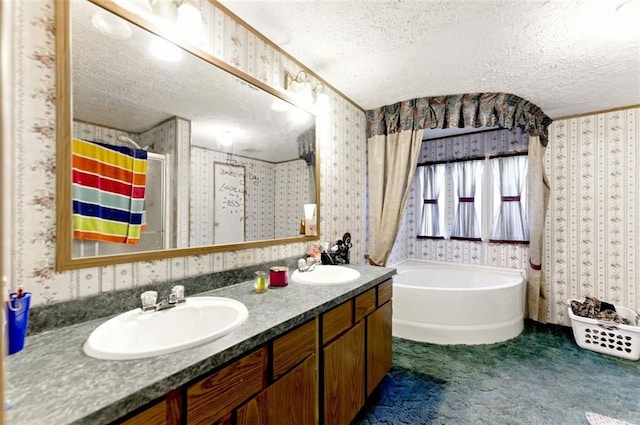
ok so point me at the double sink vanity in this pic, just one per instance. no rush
(306, 354)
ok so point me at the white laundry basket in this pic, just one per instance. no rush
(608, 337)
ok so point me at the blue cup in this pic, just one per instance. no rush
(17, 320)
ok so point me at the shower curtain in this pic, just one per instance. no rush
(538, 191)
(392, 165)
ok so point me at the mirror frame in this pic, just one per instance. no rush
(64, 218)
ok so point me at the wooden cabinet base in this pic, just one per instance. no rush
(289, 401)
(317, 373)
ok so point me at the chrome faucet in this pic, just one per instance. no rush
(149, 299)
(306, 266)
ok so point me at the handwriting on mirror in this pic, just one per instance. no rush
(231, 188)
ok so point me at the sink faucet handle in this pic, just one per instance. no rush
(177, 293)
(302, 265)
(149, 299)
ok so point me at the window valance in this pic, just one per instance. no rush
(503, 110)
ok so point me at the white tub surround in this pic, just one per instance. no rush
(449, 303)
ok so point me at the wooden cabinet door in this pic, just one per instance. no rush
(379, 349)
(289, 401)
(344, 377)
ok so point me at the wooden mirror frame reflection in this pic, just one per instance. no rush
(64, 217)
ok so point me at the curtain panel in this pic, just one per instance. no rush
(511, 221)
(465, 178)
(503, 110)
(430, 179)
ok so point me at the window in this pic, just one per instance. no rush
(476, 199)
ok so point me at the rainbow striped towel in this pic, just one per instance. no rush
(108, 192)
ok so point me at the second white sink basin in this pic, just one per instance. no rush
(136, 335)
(326, 275)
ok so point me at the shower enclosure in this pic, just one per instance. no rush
(156, 215)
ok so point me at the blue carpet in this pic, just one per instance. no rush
(538, 378)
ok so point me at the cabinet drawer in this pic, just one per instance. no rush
(365, 304)
(294, 347)
(336, 321)
(215, 396)
(385, 291)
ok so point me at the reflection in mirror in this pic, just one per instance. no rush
(226, 161)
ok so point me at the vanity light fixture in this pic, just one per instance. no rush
(189, 21)
(183, 14)
(301, 86)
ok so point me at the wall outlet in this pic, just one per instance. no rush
(245, 258)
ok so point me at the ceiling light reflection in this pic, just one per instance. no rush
(164, 50)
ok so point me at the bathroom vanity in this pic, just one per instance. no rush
(305, 355)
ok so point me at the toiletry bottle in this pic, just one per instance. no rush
(315, 251)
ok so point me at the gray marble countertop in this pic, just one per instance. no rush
(52, 381)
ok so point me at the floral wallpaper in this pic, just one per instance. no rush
(31, 128)
(266, 216)
(292, 190)
(593, 225)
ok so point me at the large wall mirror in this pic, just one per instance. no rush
(165, 151)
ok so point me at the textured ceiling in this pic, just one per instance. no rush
(118, 84)
(566, 56)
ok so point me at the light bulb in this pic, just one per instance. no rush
(189, 23)
(225, 138)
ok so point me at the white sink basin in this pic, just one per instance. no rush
(135, 335)
(326, 275)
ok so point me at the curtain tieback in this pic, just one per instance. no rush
(510, 198)
(467, 199)
(430, 201)
(371, 262)
(535, 266)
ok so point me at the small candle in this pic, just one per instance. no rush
(261, 281)
(278, 276)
